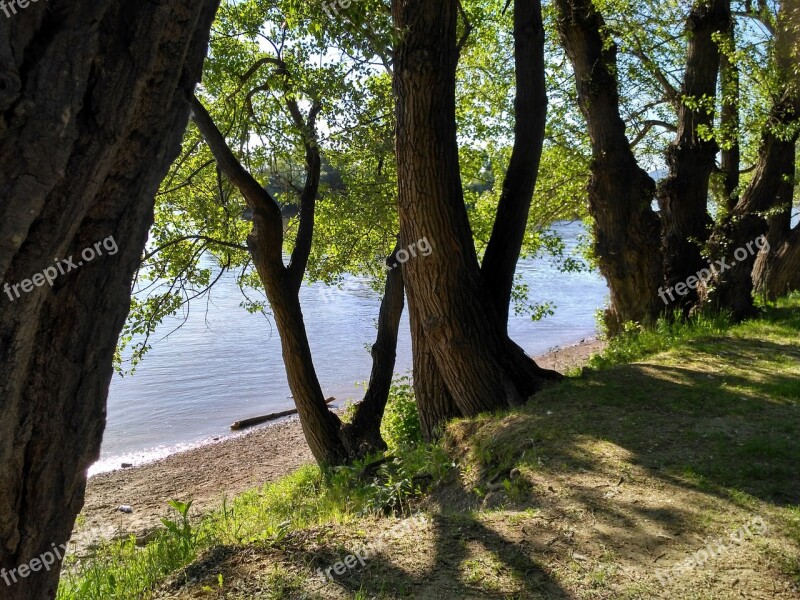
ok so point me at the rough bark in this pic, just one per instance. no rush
(481, 368)
(777, 270)
(330, 442)
(732, 290)
(434, 402)
(530, 114)
(93, 103)
(683, 195)
(626, 229)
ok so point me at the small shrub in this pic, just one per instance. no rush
(401, 424)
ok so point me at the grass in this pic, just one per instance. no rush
(263, 517)
(670, 439)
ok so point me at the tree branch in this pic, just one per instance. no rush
(648, 125)
(467, 28)
(673, 95)
(266, 213)
(186, 238)
(308, 198)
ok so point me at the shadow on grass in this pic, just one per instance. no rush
(447, 575)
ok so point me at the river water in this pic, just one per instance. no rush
(225, 364)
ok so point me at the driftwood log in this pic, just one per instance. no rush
(244, 423)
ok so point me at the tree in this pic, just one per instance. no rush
(93, 101)
(330, 443)
(683, 195)
(276, 91)
(480, 366)
(769, 191)
(626, 230)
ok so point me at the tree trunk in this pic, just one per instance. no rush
(626, 230)
(363, 434)
(732, 288)
(730, 158)
(434, 402)
(93, 103)
(683, 195)
(777, 272)
(477, 362)
(530, 114)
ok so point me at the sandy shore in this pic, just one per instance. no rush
(225, 468)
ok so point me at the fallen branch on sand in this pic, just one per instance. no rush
(244, 423)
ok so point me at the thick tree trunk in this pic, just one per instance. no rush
(683, 195)
(777, 270)
(477, 362)
(434, 402)
(502, 253)
(626, 230)
(93, 103)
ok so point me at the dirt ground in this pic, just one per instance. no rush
(225, 468)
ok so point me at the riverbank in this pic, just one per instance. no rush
(666, 467)
(221, 469)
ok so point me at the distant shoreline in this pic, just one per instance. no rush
(228, 467)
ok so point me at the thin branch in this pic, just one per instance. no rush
(670, 90)
(188, 180)
(467, 28)
(648, 125)
(201, 238)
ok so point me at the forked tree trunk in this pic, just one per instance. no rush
(481, 368)
(93, 103)
(626, 230)
(434, 401)
(330, 442)
(683, 195)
